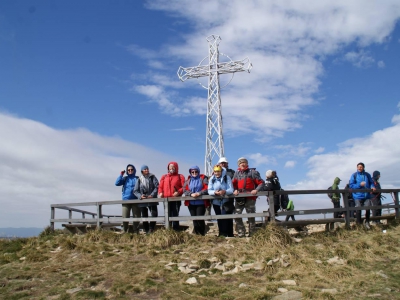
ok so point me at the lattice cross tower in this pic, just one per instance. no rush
(214, 134)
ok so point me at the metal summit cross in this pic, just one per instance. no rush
(214, 135)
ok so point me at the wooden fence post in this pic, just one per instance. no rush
(346, 206)
(99, 215)
(271, 206)
(70, 216)
(52, 216)
(396, 202)
(166, 213)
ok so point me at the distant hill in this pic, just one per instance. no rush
(19, 232)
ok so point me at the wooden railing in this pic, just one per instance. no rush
(99, 219)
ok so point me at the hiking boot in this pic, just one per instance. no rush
(241, 234)
(366, 226)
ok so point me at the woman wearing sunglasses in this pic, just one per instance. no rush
(195, 186)
(220, 185)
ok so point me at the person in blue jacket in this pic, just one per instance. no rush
(362, 180)
(220, 185)
(128, 185)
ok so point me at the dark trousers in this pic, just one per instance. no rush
(290, 216)
(225, 226)
(352, 203)
(173, 212)
(145, 213)
(199, 225)
(360, 203)
(376, 212)
(336, 204)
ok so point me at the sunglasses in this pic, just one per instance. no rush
(194, 172)
(130, 170)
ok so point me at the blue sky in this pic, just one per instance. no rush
(87, 87)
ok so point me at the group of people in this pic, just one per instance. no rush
(360, 180)
(224, 182)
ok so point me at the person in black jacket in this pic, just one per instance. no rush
(272, 184)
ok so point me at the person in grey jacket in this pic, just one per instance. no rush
(146, 188)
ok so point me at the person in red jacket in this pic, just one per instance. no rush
(246, 180)
(195, 186)
(171, 185)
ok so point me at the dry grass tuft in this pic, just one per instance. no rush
(162, 238)
(271, 236)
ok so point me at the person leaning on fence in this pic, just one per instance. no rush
(376, 196)
(223, 162)
(171, 186)
(362, 180)
(146, 188)
(196, 186)
(246, 180)
(336, 197)
(128, 184)
(220, 185)
(272, 184)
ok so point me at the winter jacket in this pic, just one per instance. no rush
(150, 190)
(375, 178)
(355, 181)
(247, 180)
(335, 186)
(222, 183)
(203, 191)
(273, 184)
(128, 184)
(170, 183)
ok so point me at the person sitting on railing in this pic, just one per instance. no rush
(376, 197)
(362, 180)
(220, 185)
(147, 188)
(246, 180)
(195, 186)
(272, 184)
(128, 184)
(171, 186)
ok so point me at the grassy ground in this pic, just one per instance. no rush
(106, 265)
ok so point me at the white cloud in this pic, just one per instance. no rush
(300, 150)
(183, 129)
(260, 159)
(286, 42)
(381, 64)
(319, 150)
(290, 164)
(359, 59)
(42, 166)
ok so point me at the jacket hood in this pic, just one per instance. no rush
(194, 168)
(134, 170)
(376, 174)
(337, 180)
(175, 165)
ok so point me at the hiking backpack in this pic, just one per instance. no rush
(330, 195)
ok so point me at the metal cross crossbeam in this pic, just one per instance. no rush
(214, 135)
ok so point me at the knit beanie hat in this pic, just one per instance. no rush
(376, 174)
(242, 159)
(268, 174)
(144, 167)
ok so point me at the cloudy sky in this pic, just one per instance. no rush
(87, 87)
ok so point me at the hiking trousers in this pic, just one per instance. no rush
(199, 226)
(225, 226)
(250, 206)
(126, 211)
(145, 214)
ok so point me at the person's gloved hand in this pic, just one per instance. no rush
(122, 172)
